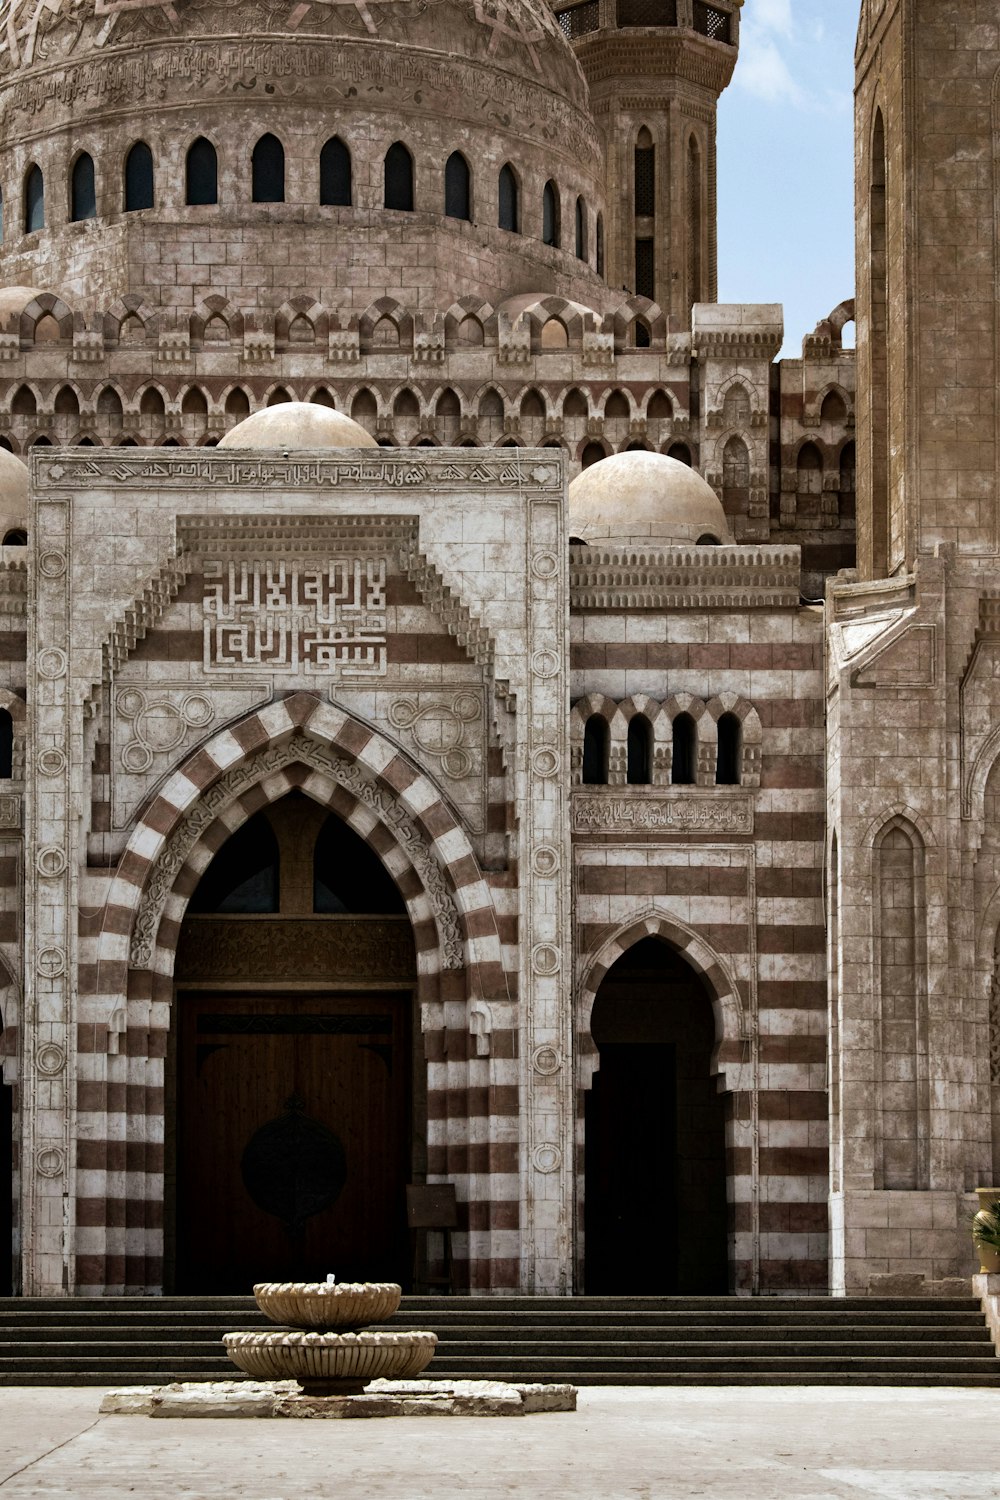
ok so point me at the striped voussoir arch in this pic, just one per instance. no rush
(298, 743)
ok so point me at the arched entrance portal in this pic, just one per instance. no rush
(293, 1068)
(655, 1158)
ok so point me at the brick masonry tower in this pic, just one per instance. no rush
(656, 69)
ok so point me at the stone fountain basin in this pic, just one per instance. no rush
(322, 1304)
(331, 1364)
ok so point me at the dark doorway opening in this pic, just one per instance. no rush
(293, 1070)
(6, 1184)
(655, 1159)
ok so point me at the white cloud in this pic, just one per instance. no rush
(763, 71)
(775, 15)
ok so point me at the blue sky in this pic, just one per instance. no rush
(786, 162)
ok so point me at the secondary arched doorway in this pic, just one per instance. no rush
(655, 1159)
(294, 1072)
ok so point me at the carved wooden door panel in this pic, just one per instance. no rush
(293, 1138)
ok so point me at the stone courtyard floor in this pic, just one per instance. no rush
(648, 1444)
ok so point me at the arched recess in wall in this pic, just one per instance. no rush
(138, 193)
(508, 207)
(900, 952)
(550, 215)
(34, 200)
(268, 170)
(878, 347)
(335, 174)
(7, 1163)
(399, 178)
(83, 190)
(201, 173)
(809, 485)
(695, 193)
(457, 187)
(736, 478)
(834, 1043)
(596, 751)
(994, 1045)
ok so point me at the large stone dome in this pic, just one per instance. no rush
(641, 499)
(297, 424)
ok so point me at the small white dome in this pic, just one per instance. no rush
(297, 424)
(13, 494)
(640, 499)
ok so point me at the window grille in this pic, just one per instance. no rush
(647, 12)
(713, 23)
(645, 181)
(644, 274)
(578, 20)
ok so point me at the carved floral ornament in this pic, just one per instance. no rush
(345, 773)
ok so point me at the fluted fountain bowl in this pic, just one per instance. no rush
(331, 1364)
(327, 1304)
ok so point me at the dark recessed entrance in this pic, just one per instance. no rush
(294, 1070)
(6, 1184)
(655, 1159)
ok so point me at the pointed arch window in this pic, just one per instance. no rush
(727, 764)
(599, 239)
(685, 743)
(34, 200)
(138, 178)
(335, 185)
(457, 187)
(645, 175)
(508, 210)
(348, 875)
(596, 747)
(581, 229)
(268, 170)
(550, 215)
(1, 216)
(694, 193)
(640, 751)
(6, 735)
(201, 173)
(83, 190)
(244, 876)
(399, 178)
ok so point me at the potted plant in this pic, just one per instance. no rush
(986, 1230)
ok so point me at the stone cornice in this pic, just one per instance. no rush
(684, 577)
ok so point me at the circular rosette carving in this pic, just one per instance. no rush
(50, 1161)
(51, 861)
(52, 762)
(439, 728)
(294, 1167)
(546, 1060)
(547, 1157)
(545, 861)
(51, 1059)
(545, 762)
(52, 663)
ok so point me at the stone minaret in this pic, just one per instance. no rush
(656, 69)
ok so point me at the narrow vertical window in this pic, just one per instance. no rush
(645, 175)
(695, 290)
(1, 218)
(581, 229)
(6, 741)
(335, 174)
(508, 206)
(599, 237)
(399, 178)
(684, 746)
(595, 751)
(878, 292)
(727, 764)
(268, 170)
(645, 280)
(901, 1039)
(201, 173)
(138, 178)
(457, 197)
(640, 751)
(83, 192)
(550, 215)
(34, 200)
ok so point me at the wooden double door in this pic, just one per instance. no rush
(293, 1137)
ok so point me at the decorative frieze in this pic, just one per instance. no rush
(713, 811)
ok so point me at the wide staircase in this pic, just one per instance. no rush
(586, 1340)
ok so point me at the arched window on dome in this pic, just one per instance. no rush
(685, 743)
(640, 751)
(17, 537)
(82, 189)
(596, 748)
(138, 178)
(581, 229)
(550, 215)
(730, 752)
(457, 187)
(201, 173)
(335, 174)
(34, 200)
(268, 170)
(508, 216)
(599, 241)
(237, 404)
(399, 178)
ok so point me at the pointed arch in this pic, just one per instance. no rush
(335, 174)
(201, 173)
(267, 170)
(138, 188)
(82, 189)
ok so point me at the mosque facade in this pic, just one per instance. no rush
(457, 726)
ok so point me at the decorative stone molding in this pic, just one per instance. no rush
(712, 811)
(684, 578)
(220, 948)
